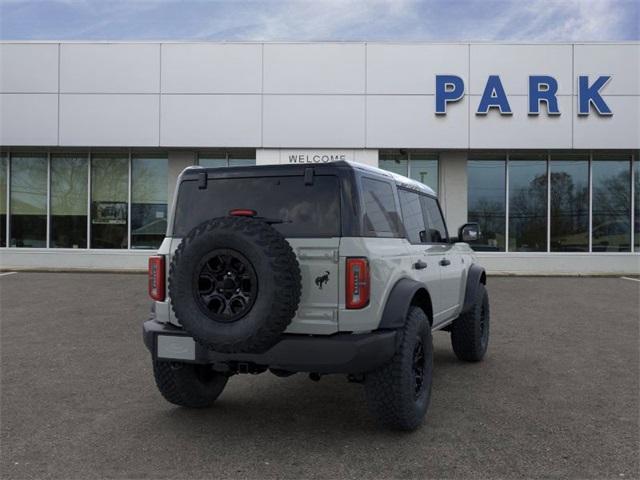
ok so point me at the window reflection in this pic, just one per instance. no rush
(424, 169)
(570, 203)
(213, 160)
(28, 201)
(380, 216)
(3, 200)
(69, 201)
(394, 161)
(436, 230)
(109, 193)
(486, 202)
(242, 158)
(412, 216)
(527, 204)
(233, 158)
(611, 231)
(148, 201)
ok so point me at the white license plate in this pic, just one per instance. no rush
(175, 347)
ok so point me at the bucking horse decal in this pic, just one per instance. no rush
(322, 279)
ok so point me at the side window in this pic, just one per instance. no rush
(381, 218)
(436, 230)
(412, 216)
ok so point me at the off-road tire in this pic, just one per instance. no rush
(470, 331)
(188, 385)
(392, 395)
(277, 273)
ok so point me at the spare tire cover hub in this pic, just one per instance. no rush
(226, 285)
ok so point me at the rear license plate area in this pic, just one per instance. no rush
(174, 347)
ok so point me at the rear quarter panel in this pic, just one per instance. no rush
(389, 260)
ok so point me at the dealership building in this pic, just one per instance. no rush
(539, 143)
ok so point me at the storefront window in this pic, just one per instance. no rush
(148, 201)
(487, 201)
(213, 160)
(28, 200)
(424, 169)
(611, 231)
(232, 158)
(3, 200)
(109, 193)
(420, 166)
(394, 161)
(528, 203)
(569, 203)
(242, 158)
(69, 201)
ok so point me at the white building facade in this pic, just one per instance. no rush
(537, 142)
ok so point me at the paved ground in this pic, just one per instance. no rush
(556, 397)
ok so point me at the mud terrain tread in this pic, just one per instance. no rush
(388, 397)
(465, 330)
(282, 261)
(182, 387)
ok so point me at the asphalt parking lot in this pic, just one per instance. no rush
(557, 396)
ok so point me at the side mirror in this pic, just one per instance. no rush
(469, 232)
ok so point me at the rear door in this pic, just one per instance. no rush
(442, 251)
(425, 258)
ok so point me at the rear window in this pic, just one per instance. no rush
(306, 210)
(381, 218)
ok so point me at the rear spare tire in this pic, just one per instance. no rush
(235, 284)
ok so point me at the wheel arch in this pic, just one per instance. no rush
(475, 277)
(404, 294)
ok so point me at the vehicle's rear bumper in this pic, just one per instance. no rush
(339, 353)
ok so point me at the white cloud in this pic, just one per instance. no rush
(305, 20)
(533, 20)
(563, 20)
(311, 20)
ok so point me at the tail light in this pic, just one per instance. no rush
(156, 277)
(242, 212)
(358, 286)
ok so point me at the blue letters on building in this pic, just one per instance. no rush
(449, 88)
(590, 95)
(543, 88)
(494, 97)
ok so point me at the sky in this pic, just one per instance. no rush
(321, 20)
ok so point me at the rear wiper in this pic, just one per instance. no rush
(272, 221)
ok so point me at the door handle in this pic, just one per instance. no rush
(444, 262)
(419, 265)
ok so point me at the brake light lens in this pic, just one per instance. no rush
(242, 212)
(156, 278)
(357, 285)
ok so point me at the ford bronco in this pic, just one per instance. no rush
(329, 268)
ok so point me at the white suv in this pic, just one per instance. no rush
(331, 268)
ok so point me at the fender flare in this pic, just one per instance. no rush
(400, 299)
(475, 277)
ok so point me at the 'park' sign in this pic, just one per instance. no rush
(542, 90)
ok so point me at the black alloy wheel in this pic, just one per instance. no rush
(226, 285)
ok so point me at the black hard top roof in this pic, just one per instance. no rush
(299, 169)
